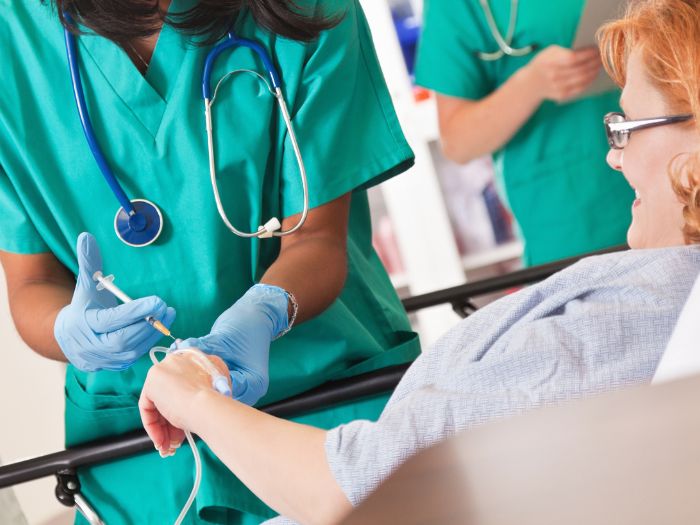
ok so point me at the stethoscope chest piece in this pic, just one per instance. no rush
(140, 228)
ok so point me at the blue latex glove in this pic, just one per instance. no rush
(94, 332)
(241, 336)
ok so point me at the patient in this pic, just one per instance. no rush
(598, 325)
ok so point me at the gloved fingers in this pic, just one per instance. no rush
(148, 339)
(239, 384)
(104, 359)
(84, 363)
(106, 320)
(247, 388)
(128, 344)
(89, 261)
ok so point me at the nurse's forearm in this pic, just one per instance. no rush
(472, 128)
(312, 263)
(34, 309)
(38, 286)
(314, 271)
(282, 462)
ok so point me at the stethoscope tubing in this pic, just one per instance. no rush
(504, 43)
(232, 42)
(87, 125)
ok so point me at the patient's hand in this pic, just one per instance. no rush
(170, 396)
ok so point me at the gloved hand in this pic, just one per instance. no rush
(96, 334)
(241, 336)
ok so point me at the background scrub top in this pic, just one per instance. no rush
(563, 195)
(152, 132)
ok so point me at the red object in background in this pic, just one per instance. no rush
(420, 94)
(386, 246)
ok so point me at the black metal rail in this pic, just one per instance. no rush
(458, 294)
(332, 393)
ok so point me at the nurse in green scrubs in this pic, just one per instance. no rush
(142, 83)
(530, 111)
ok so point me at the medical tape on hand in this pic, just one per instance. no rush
(218, 380)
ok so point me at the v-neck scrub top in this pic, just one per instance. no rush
(152, 132)
(552, 173)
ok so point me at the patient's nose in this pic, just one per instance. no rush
(614, 158)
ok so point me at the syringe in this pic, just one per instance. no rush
(107, 283)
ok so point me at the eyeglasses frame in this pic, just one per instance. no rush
(628, 126)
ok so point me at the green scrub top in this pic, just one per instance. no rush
(553, 173)
(152, 132)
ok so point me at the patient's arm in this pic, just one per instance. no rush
(283, 463)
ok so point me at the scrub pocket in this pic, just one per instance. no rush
(93, 416)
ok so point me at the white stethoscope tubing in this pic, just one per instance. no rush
(270, 228)
(504, 44)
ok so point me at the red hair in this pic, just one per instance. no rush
(667, 34)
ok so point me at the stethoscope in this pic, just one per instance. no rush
(139, 222)
(504, 43)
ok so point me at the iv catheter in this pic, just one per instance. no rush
(107, 283)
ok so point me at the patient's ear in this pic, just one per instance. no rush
(690, 168)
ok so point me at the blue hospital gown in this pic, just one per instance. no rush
(601, 324)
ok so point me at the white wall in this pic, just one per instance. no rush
(31, 411)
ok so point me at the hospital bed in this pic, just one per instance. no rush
(65, 464)
(629, 457)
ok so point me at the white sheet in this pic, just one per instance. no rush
(682, 355)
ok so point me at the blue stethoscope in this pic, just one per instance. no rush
(139, 222)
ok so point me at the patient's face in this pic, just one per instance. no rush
(657, 219)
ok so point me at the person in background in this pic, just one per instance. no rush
(532, 113)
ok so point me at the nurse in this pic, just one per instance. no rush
(529, 109)
(140, 68)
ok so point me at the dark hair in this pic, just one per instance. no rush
(123, 20)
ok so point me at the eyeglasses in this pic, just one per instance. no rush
(618, 129)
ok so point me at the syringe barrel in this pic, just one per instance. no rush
(109, 285)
